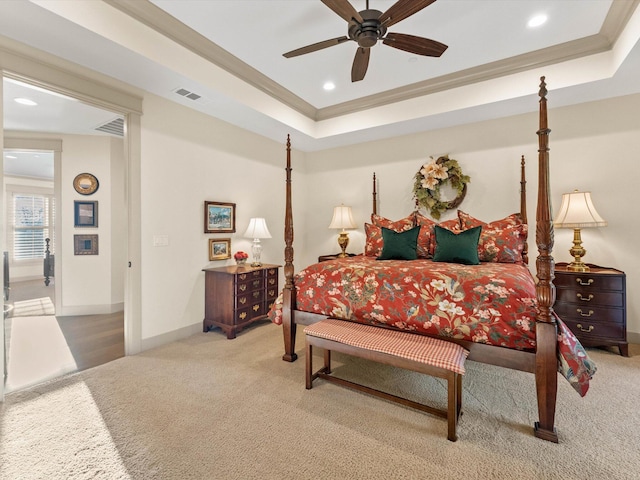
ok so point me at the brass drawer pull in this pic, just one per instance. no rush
(256, 308)
(242, 300)
(584, 284)
(579, 310)
(242, 288)
(588, 299)
(582, 329)
(243, 315)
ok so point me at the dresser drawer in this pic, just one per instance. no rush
(588, 282)
(584, 296)
(589, 313)
(587, 330)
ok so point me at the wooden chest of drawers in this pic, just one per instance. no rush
(236, 296)
(593, 305)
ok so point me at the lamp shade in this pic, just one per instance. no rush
(257, 229)
(342, 218)
(577, 211)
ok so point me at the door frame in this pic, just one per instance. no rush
(46, 71)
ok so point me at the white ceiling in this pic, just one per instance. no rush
(230, 53)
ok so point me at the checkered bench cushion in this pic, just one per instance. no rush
(419, 348)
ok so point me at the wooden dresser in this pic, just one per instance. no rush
(236, 296)
(593, 305)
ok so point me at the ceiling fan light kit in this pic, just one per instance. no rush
(370, 25)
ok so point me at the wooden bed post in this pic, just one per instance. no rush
(546, 329)
(289, 292)
(374, 210)
(523, 206)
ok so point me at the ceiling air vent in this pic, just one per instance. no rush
(114, 127)
(186, 93)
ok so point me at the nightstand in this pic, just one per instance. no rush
(325, 258)
(236, 296)
(593, 305)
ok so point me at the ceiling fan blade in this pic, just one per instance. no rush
(344, 9)
(401, 10)
(360, 64)
(316, 46)
(413, 44)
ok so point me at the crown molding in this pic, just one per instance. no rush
(152, 16)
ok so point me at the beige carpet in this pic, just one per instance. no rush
(212, 408)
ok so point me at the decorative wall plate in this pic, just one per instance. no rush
(85, 184)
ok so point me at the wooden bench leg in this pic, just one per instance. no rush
(453, 406)
(327, 361)
(309, 366)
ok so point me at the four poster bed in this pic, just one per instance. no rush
(497, 311)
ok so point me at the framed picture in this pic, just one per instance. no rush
(219, 217)
(85, 244)
(85, 214)
(219, 248)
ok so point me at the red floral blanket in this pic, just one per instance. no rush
(492, 303)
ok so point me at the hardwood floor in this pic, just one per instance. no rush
(39, 348)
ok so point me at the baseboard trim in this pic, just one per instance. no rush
(633, 337)
(174, 335)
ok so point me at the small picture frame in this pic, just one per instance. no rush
(85, 244)
(219, 248)
(219, 217)
(85, 214)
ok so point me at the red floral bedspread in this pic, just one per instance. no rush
(492, 303)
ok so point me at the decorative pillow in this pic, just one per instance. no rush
(399, 245)
(401, 225)
(452, 225)
(425, 236)
(501, 241)
(373, 243)
(467, 221)
(457, 248)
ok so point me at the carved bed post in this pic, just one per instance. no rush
(374, 210)
(523, 206)
(289, 293)
(546, 335)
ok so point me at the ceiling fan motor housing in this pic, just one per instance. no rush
(367, 33)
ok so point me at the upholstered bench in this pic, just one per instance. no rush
(419, 353)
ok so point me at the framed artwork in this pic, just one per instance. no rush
(219, 248)
(85, 184)
(219, 217)
(85, 244)
(85, 214)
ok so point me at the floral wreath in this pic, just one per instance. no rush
(429, 179)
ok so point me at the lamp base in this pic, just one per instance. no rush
(577, 251)
(343, 241)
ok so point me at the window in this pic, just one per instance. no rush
(32, 222)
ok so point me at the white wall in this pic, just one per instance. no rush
(188, 158)
(91, 283)
(594, 147)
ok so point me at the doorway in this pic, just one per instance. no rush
(54, 327)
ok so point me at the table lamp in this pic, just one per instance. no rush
(257, 229)
(577, 211)
(342, 219)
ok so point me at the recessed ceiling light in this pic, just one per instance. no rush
(25, 101)
(12, 157)
(328, 86)
(537, 20)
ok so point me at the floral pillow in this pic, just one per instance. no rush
(501, 241)
(427, 237)
(374, 243)
(401, 225)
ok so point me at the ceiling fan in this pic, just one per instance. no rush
(369, 26)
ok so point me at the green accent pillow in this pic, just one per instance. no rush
(399, 245)
(457, 248)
